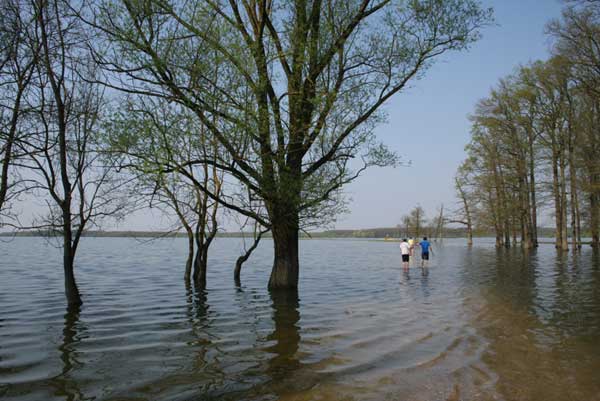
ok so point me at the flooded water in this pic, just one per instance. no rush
(480, 324)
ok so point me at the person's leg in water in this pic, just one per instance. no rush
(405, 261)
(424, 260)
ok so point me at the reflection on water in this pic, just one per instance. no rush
(477, 324)
(285, 336)
(65, 385)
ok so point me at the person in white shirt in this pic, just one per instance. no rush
(405, 250)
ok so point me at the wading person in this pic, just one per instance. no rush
(405, 250)
(425, 248)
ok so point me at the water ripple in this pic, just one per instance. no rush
(480, 324)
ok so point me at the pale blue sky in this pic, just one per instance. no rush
(428, 123)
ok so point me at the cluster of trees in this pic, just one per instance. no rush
(415, 224)
(263, 109)
(535, 141)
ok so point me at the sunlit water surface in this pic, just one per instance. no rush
(480, 324)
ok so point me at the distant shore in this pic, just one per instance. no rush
(372, 233)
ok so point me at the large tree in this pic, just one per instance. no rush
(300, 88)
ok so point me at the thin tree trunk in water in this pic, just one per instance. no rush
(190, 259)
(525, 218)
(595, 216)
(199, 275)
(467, 214)
(243, 258)
(502, 206)
(576, 240)
(285, 264)
(203, 241)
(439, 229)
(204, 259)
(469, 234)
(71, 290)
(200, 269)
(188, 229)
(497, 228)
(557, 200)
(532, 190)
(563, 199)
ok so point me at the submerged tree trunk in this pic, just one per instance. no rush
(243, 258)
(564, 245)
(190, 258)
(467, 213)
(575, 220)
(525, 217)
(199, 275)
(595, 217)
(71, 290)
(532, 192)
(285, 242)
(557, 200)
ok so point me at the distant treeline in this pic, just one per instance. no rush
(383, 232)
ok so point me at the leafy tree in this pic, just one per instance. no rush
(300, 88)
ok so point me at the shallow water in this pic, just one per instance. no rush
(481, 324)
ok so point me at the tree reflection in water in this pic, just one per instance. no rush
(66, 385)
(285, 335)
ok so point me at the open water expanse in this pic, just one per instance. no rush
(480, 324)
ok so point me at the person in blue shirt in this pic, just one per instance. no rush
(425, 248)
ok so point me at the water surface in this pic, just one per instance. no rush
(479, 324)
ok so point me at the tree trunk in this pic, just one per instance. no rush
(243, 258)
(190, 259)
(557, 200)
(497, 227)
(595, 217)
(8, 149)
(532, 191)
(467, 214)
(199, 276)
(71, 290)
(575, 241)
(469, 234)
(525, 216)
(285, 263)
(564, 245)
